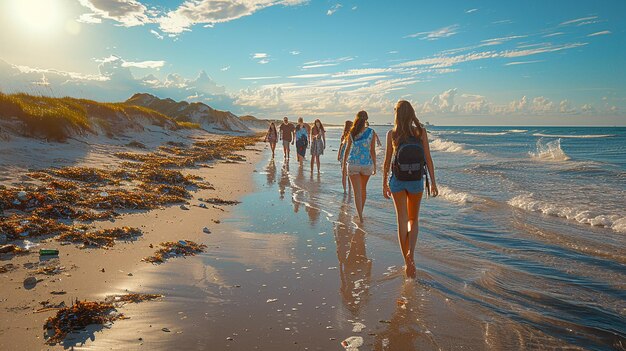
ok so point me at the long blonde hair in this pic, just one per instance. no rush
(346, 129)
(403, 123)
(359, 123)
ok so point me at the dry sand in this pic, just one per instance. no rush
(93, 274)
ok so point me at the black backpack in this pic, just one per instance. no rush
(409, 161)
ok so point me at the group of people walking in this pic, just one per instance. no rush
(408, 168)
(303, 136)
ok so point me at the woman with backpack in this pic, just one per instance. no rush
(359, 159)
(408, 157)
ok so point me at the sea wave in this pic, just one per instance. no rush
(517, 130)
(450, 146)
(485, 133)
(574, 136)
(459, 197)
(528, 203)
(549, 151)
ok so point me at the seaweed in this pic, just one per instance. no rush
(102, 237)
(171, 249)
(78, 316)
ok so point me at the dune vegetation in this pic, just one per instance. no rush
(60, 118)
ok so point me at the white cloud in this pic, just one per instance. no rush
(225, 68)
(577, 20)
(127, 13)
(156, 34)
(514, 63)
(294, 52)
(471, 10)
(503, 39)
(259, 78)
(333, 9)
(553, 34)
(354, 8)
(144, 64)
(604, 32)
(263, 61)
(587, 108)
(566, 107)
(209, 12)
(448, 61)
(436, 34)
(310, 75)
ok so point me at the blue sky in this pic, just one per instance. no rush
(458, 62)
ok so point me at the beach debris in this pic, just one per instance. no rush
(219, 201)
(129, 274)
(30, 283)
(352, 343)
(78, 316)
(3, 239)
(12, 249)
(201, 205)
(133, 297)
(58, 292)
(271, 300)
(102, 237)
(49, 270)
(172, 249)
(7, 268)
(357, 327)
(165, 330)
(206, 230)
(48, 252)
(136, 144)
(216, 221)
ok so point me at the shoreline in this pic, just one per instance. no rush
(95, 273)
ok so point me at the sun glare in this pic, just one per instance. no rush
(39, 16)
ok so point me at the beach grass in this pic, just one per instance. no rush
(59, 118)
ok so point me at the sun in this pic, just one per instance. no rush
(38, 16)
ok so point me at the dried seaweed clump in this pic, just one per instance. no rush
(171, 249)
(134, 297)
(102, 237)
(78, 316)
(16, 227)
(218, 201)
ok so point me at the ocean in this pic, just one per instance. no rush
(525, 248)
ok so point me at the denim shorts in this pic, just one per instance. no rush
(411, 186)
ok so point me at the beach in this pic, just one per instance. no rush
(289, 268)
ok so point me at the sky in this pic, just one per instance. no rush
(458, 62)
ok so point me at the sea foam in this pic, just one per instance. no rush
(549, 151)
(574, 136)
(459, 197)
(528, 203)
(450, 146)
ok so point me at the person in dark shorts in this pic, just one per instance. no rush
(287, 135)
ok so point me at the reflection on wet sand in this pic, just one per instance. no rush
(284, 180)
(354, 267)
(271, 172)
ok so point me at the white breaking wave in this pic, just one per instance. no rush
(485, 133)
(572, 136)
(526, 202)
(456, 196)
(517, 130)
(550, 151)
(450, 146)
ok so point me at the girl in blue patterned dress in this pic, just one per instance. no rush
(359, 159)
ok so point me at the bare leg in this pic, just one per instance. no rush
(273, 146)
(400, 203)
(343, 182)
(317, 159)
(358, 201)
(413, 208)
(364, 180)
(312, 162)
